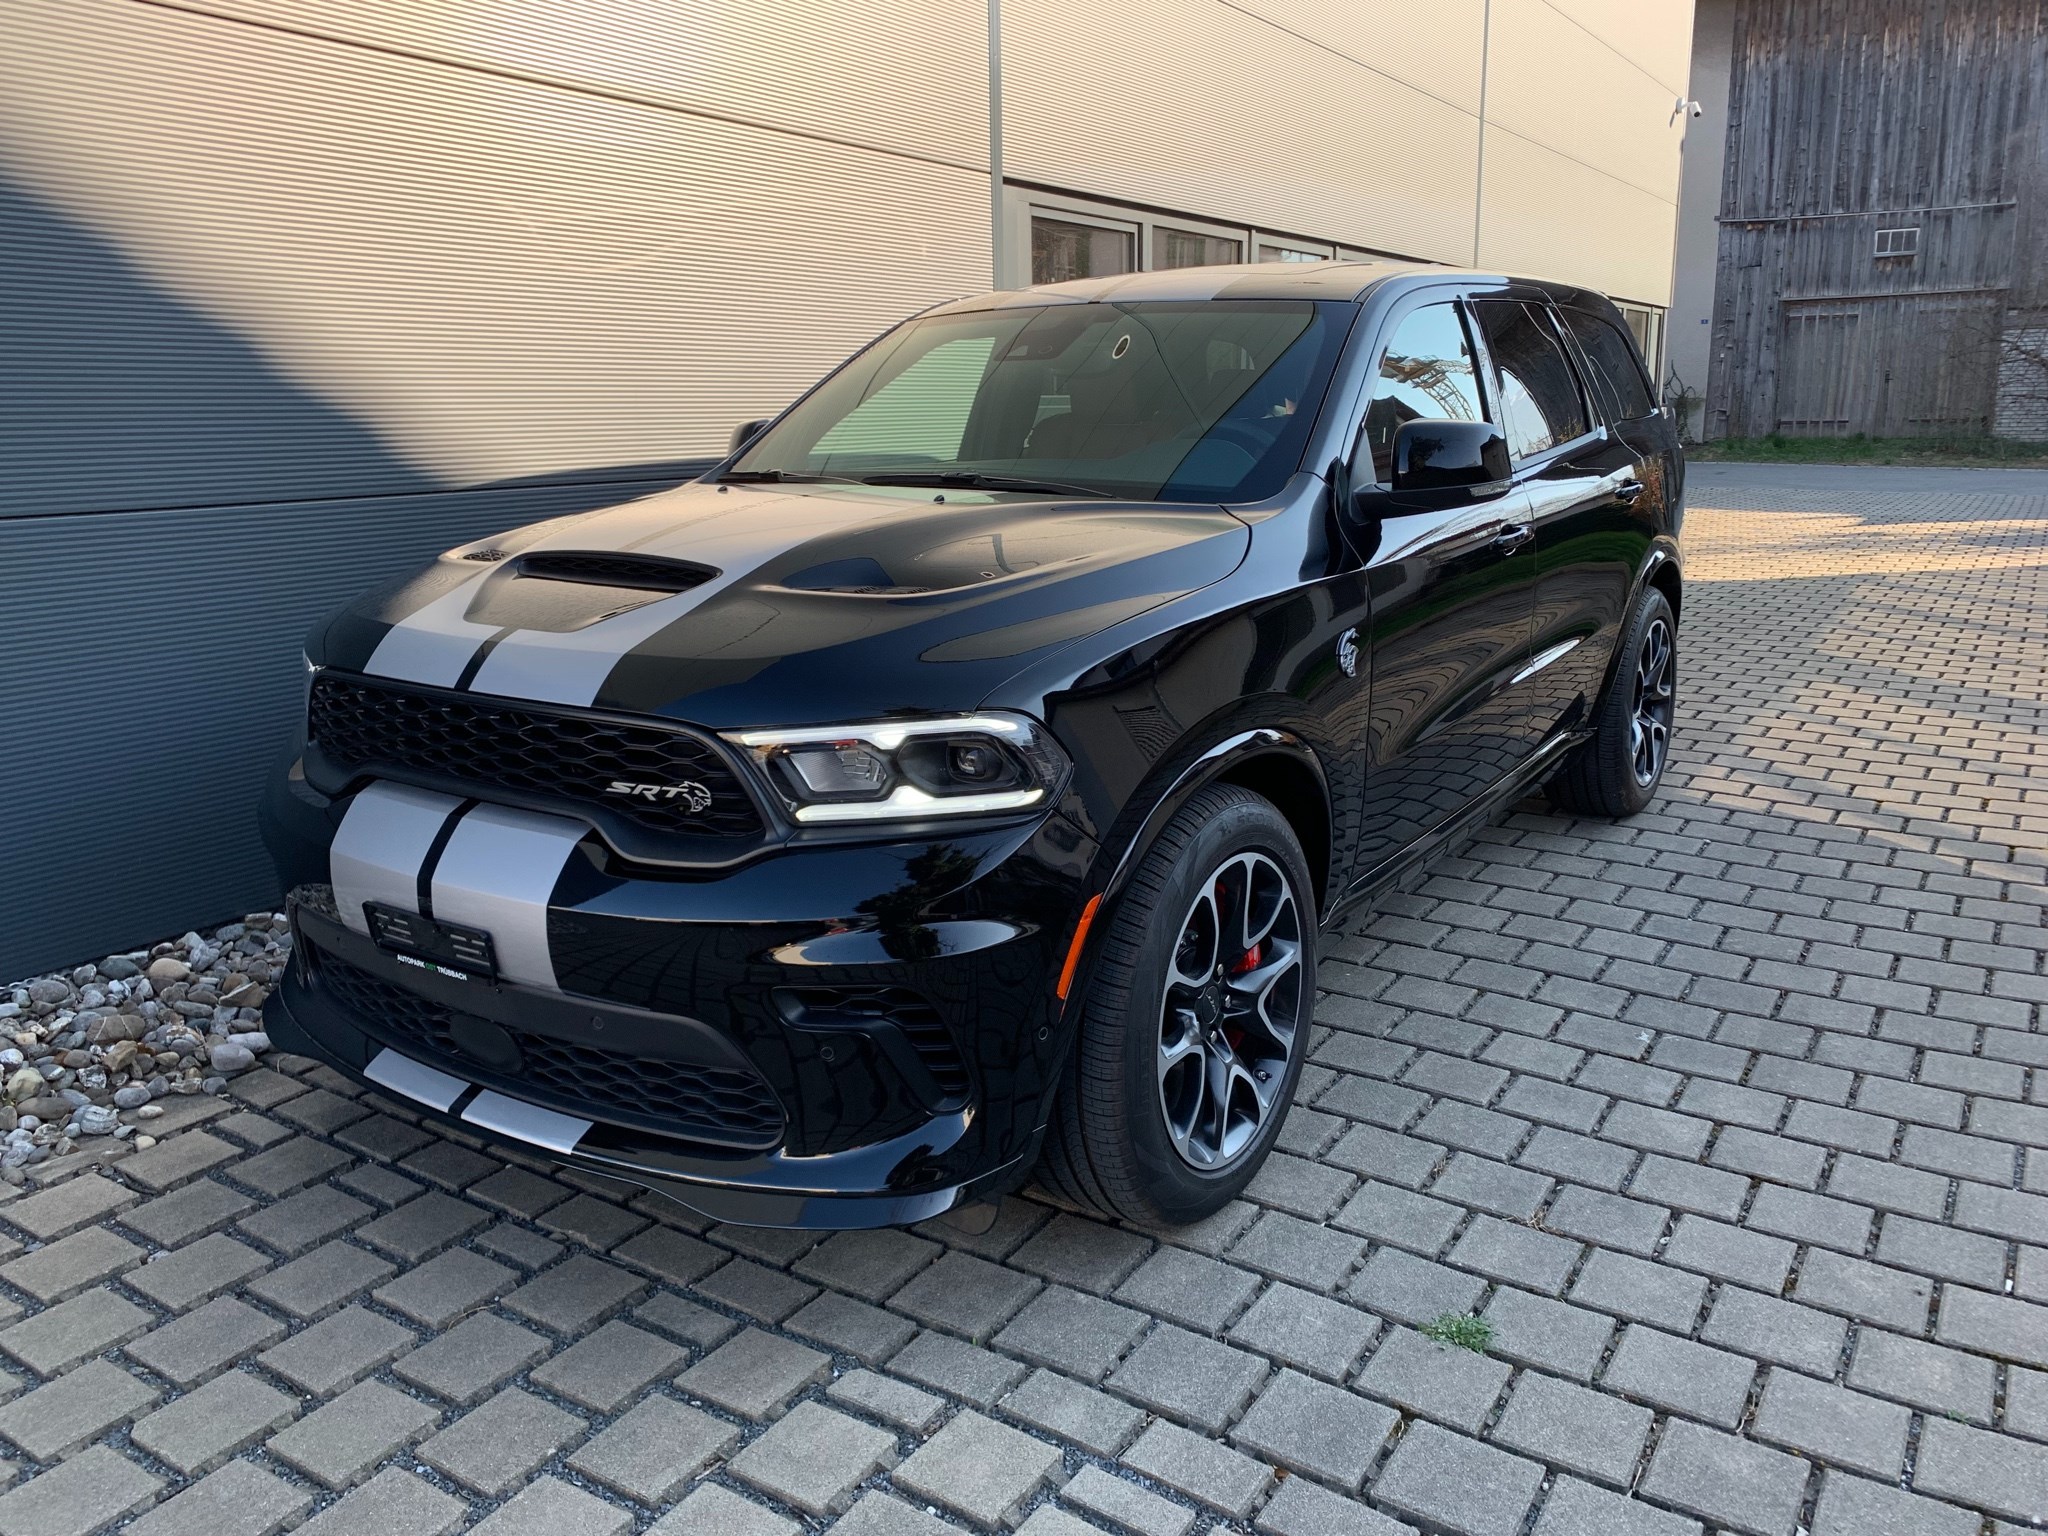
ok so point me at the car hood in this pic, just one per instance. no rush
(770, 605)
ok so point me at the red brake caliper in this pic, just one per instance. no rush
(1248, 962)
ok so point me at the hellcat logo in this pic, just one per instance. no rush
(693, 795)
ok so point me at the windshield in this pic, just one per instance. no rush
(1204, 401)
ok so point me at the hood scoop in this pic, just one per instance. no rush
(561, 591)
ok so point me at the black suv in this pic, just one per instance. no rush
(952, 783)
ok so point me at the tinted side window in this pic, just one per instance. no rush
(1617, 379)
(1427, 374)
(1539, 394)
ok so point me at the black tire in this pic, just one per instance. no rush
(1114, 1145)
(1618, 771)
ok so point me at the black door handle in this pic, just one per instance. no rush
(1513, 537)
(1628, 491)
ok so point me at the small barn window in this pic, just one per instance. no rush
(1899, 242)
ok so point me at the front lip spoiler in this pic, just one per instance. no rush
(712, 1198)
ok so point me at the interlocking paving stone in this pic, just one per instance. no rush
(205, 1340)
(1194, 1379)
(1439, 1381)
(604, 1369)
(472, 1357)
(1579, 1509)
(186, 1276)
(1450, 1483)
(70, 1264)
(1127, 1504)
(1995, 1325)
(1982, 1469)
(393, 1503)
(1860, 1289)
(877, 1514)
(1943, 1381)
(982, 1469)
(1744, 1486)
(815, 1458)
(1093, 1420)
(1730, 1253)
(213, 1422)
(755, 1374)
(871, 1264)
(1832, 1424)
(241, 1499)
(1518, 1255)
(547, 1506)
(86, 1325)
(1189, 1288)
(1313, 1333)
(338, 1350)
(1595, 1216)
(1850, 1506)
(1411, 1290)
(1194, 1465)
(709, 1511)
(79, 1406)
(293, 1225)
(1568, 1426)
(1635, 1288)
(317, 1282)
(966, 1295)
(79, 1496)
(446, 1287)
(1071, 1331)
(1316, 1428)
(183, 1214)
(940, 1361)
(1779, 1331)
(903, 1405)
(1289, 1248)
(653, 1449)
(81, 1202)
(1689, 1378)
(592, 1222)
(341, 1442)
(1553, 1335)
(1300, 1508)
(493, 1447)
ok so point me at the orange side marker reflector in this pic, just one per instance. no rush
(1074, 949)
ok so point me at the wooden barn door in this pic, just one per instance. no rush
(1823, 366)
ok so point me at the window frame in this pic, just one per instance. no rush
(1130, 229)
(1582, 361)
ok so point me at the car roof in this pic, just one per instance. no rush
(1349, 280)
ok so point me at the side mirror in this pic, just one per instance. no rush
(744, 434)
(1449, 455)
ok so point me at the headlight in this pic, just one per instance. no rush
(896, 770)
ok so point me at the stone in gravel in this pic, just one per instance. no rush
(339, 1443)
(82, 1405)
(547, 1506)
(166, 970)
(980, 1468)
(134, 1096)
(815, 1458)
(654, 1449)
(227, 1057)
(241, 1499)
(494, 1446)
(1446, 1481)
(91, 1490)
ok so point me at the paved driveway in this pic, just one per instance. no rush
(1731, 1123)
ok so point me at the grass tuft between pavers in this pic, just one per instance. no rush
(1461, 1330)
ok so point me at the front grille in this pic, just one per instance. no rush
(363, 725)
(731, 1108)
(912, 1015)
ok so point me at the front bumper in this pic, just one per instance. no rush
(674, 994)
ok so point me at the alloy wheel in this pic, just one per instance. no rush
(1649, 730)
(1231, 1016)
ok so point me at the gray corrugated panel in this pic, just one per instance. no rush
(149, 676)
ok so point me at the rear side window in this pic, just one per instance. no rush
(1539, 394)
(1616, 377)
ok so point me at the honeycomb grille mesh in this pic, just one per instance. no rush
(732, 1108)
(364, 725)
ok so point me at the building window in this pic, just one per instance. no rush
(1291, 251)
(1061, 250)
(1898, 242)
(1188, 248)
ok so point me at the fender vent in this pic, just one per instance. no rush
(643, 573)
(859, 1007)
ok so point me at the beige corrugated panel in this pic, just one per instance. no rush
(1198, 106)
(1552, 216)
(1434, 47)
(836, 67)
(1550, 82)
(495, 277)
(1656, 34)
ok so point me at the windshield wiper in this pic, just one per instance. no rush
(974, 480)
(784, 477)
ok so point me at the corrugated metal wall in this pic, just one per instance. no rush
(291, 290)
(295, 292)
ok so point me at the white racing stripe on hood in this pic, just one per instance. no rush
(433, 644)
(497, 873)
(572, 668)
(381, 845)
